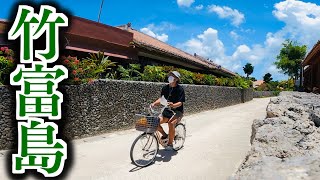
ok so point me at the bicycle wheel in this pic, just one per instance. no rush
(144, 150)
(180, 136)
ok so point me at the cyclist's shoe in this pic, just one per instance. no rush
(169, 148)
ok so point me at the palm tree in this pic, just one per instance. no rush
(248, 69)
(267, 78)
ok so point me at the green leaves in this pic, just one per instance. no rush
(209, 79)
(277, 86)
(267, 78)
(131, 73)
(97, 64)
(248, 69)
(6, 67)
(154, 73)
(186, 76)
(290, 58)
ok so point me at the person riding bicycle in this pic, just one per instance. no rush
(174, 93)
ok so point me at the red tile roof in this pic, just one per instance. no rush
(144, 40)
(257, 83)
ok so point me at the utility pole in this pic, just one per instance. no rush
(100, 10)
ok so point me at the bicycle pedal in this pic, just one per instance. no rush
(164, 142)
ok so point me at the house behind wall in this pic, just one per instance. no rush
(312, 70)
(126, 45)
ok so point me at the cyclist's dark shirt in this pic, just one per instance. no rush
(174, 95)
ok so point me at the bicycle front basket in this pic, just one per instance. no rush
(148, 124)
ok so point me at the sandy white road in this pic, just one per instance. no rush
(217, 142)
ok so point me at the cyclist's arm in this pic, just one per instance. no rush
(175, 105)
(157, 102)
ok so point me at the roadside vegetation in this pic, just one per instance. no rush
(99, 66)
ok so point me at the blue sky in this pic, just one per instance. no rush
(229, 32)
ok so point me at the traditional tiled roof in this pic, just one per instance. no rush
(257, 83)
(214, 64)
(314, 51)
(147, 41)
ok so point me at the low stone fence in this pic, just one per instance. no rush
(285, 145)
(260, 94)
(109, 105)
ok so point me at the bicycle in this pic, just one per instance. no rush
(147, 143)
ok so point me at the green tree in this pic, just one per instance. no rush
(252, 79)
(248, 69)
(290, 58)
(267, 78)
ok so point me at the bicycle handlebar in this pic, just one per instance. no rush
(156, 112)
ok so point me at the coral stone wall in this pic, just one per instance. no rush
(109, 105)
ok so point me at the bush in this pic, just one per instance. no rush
(7, 64)
(223, 81)
(198, 78)
(241, 82)
(168, 69)
(209, 79)
(98, 66)
(93, 67)
(287, 85)
(186, 76)
(131, 73)
(154, 73)
(230, 82)
(276, 93)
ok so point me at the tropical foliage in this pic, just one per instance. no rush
(95, 66)
(98, 66)
(130, 73)
(290, 58)
(7, 64)
(277, 86)
(267, 78)
(248, 69)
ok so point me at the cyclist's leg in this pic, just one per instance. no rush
(172, 123)
(160, 129)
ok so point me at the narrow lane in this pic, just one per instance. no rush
(217, 142)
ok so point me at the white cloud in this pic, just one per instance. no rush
(157, 31)
(208, 45)
(241, 51)
(235, 36)
(186, 3)
(273, 70)
(199, 7)
(302, 24)
(302, 20)
(226, 12)
(162, 37)
(163, 26)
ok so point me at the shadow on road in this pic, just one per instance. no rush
(165, 156)
(162, 156)
(135, 169)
